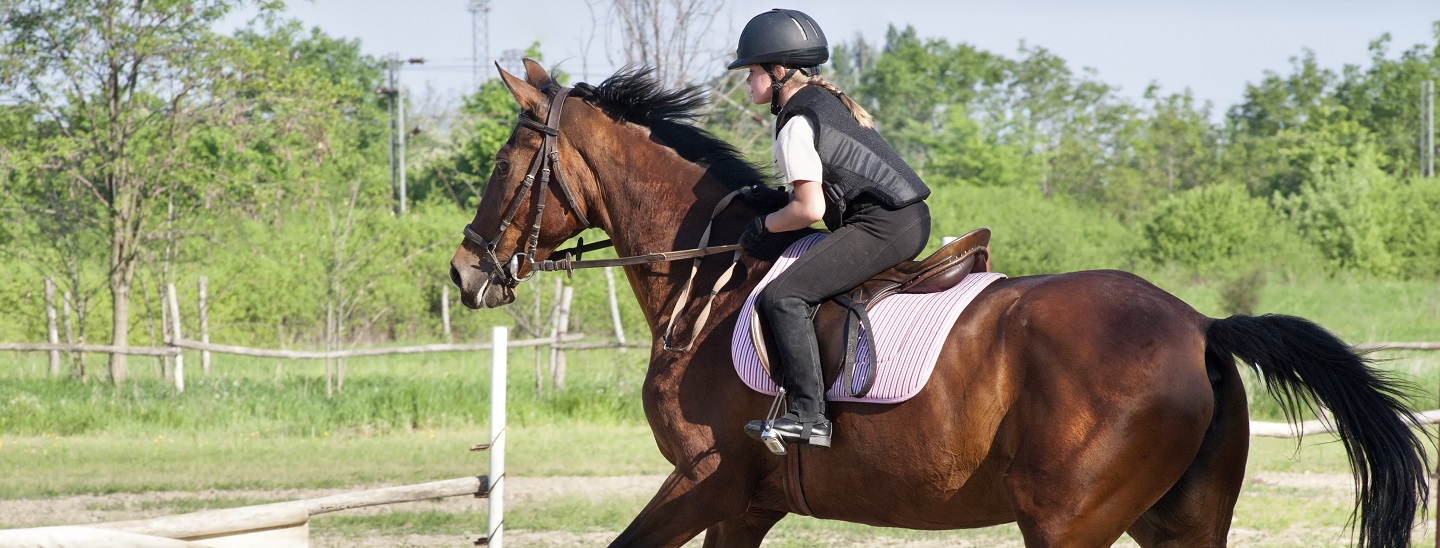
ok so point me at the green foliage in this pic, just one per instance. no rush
(1240, 293)
(1344, 211)
(1218, 228)
(1032, 235)
(458, 170)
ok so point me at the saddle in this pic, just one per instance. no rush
(838, 321)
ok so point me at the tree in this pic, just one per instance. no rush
(123, 85)
(669, 35)
(1385, 99)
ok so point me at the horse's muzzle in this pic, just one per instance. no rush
(480, 288)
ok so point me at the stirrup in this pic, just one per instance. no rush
(768, 436)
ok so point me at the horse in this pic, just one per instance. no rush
(1081, 406)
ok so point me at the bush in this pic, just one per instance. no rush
(1344, 211)
(1032, 234)
(1217, 227)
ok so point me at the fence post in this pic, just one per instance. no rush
(554, 330)
(204, 327)
(50, 324)
(614, 308)
(175, 336)
(77, 359)
(498, 354)
(445, 309)
(557, 354)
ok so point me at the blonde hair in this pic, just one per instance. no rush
(861, 116)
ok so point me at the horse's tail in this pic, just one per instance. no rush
(1302, 363)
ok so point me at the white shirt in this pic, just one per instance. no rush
(795, 152)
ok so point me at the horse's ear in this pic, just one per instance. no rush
(535, 74)
(526, 94)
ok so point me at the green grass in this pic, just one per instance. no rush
(267, 425)
(51, 466)
(381, 394)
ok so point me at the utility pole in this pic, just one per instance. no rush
(398, 133)
(479, 38)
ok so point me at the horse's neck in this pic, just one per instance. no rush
(655, 209)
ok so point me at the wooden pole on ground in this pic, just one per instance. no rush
(175, 336)
(204, 326)
(614, 308)
(51, 328)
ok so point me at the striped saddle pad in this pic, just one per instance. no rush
(910, 330)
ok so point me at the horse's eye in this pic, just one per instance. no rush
(502, 167)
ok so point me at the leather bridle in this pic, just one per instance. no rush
(547, 161)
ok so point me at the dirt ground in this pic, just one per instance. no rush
(520, 490)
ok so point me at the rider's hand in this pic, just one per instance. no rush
(765, 198)
(754, 235)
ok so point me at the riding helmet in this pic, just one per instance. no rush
(783, 37)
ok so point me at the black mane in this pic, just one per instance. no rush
(636, 96)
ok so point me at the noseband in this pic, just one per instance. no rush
(547, 160)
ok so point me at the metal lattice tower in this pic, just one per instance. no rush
(479, 38)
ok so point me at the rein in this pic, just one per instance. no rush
(548, 157)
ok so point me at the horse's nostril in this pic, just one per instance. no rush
(455, 277)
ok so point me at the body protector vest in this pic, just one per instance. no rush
(856, 159)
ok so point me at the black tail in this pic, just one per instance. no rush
(1301, 363)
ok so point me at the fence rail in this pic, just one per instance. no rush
(173, 348)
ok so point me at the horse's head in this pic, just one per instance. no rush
(530, 204)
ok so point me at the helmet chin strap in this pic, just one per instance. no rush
(775, 86)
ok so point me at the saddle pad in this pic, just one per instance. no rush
(911, 329)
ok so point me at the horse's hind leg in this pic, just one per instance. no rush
(745, 531)
(1198, 509)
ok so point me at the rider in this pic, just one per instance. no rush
(842, 172)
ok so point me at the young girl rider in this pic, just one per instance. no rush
(841, 172)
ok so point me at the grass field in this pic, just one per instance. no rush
(256, 431)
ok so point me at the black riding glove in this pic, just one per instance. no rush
(754, 235)
(765, 198)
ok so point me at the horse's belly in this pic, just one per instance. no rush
(911, 493)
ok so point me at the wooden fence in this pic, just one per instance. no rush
(286, 524)
(173, 345)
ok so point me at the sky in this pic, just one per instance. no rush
(1213, 48)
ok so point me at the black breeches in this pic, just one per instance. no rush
(872, 240)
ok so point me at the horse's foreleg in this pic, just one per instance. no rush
(745, 531)
(684, 506)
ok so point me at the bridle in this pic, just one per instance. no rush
(547, 161)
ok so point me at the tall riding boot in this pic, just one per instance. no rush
(804, 422)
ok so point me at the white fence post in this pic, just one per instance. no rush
(50, 327)
(614, 309)
(498, 352)
(175, 336)
(498, 335)
(204, 326)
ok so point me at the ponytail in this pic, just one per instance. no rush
(861, 116)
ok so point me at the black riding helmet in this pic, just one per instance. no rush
(782, 37)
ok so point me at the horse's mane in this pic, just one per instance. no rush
(636, 96)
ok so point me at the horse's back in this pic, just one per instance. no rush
(1040, 373)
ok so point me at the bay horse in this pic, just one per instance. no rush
(1082, 406)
